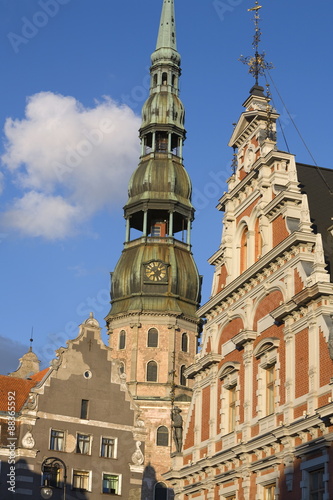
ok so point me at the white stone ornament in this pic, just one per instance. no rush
(28, 441)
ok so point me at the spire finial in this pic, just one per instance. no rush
(256, 63)
(167, 31)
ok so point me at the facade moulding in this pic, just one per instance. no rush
(288, 247)
(301, 299)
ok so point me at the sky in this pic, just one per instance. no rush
(75, 74)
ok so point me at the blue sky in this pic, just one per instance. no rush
(74, 78)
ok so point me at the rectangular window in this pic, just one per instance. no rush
(84, 409)
(232, 409)
(108, 448)
(270, 391)
(269, 492)
(57, 441)
(51, 476)
(111, 484)
(81, 480)
(83, 444)
(316, 484)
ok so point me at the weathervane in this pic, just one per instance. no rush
(256, 63)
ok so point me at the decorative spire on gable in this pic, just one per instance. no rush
(257, 63)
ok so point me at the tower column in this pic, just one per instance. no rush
(145, 219)
(188, 232)
(169, 142)
(170, 223)
(128, 230)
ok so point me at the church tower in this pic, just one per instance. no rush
(155, 288)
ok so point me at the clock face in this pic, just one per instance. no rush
(156, 271)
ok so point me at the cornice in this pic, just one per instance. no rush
(302, 298)
(292, 240)
(202, 364)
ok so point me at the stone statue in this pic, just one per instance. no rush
(177, 424)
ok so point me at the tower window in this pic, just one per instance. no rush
(165, 79)
(159, 229)
(122, 339)
(161, 142)
(182, 376)
(155, 80)
(162, 437)
(161, 492)
(152, 371)
(152, 338)
(184, 342)
(173, 80)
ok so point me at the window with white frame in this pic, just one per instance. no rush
(267, 354)
(266, 485)
(111, 484)
(108, 447)
(269, 492)
(229, 397)
(57, 440)
(315, 477)
(81, 480)
(83, 444)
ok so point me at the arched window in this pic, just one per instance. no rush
(182, 376)
(152, 371)
(173, 80)
(122, 339)
(155, 80)
(184, 342)
(162, 436)
(243, 251)
(165, 79)
(161, 492)
(152, 338)
(258, 241)
(121, 368)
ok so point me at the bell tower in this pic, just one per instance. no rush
(155, 289)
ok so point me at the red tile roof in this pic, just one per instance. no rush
(19, 388)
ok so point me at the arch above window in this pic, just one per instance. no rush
(162, 436)
(152, 340)
(229, 373)
(152, 371)
(266, 352)
(266, 345)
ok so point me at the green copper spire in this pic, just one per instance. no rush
(167, 31)
(159, 211)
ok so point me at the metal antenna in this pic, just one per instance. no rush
(31, 338)
(256, 63)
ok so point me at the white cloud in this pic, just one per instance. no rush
(68, 162)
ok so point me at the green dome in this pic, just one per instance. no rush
(179, 294)
(163, 108)
(160, 179)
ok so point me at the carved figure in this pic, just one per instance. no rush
(177, 424)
